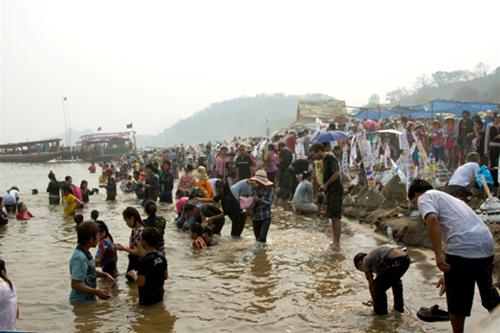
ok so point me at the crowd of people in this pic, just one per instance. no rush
(242, 179)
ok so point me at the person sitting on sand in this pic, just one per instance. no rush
(22, 212)
(302, 201)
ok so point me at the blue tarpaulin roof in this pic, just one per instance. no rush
(427, 111)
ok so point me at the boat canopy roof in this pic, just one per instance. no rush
(29, 143)
(104, 138)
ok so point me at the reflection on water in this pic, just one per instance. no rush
(294, 284)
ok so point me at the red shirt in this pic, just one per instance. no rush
(25, 216)
(290, 142)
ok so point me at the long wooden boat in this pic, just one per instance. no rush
(30, 151)
(105, 147)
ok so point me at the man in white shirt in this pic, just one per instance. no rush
(470, 249)
(464, 177)
(11, 199)
(302, 201)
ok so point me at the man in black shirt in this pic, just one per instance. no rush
(231, 208)
(286, 158)
(243, 164)
(209, 214)
(152, 184)
(465, 133)
(333, 188)
(152, 269)
(290, 182)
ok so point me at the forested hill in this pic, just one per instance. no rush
(480, 85)
(243, 116)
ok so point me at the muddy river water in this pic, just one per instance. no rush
(294, 284)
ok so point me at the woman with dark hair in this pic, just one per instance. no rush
(9, 311)
(53, 189)
(157, 222)
(86, 193)
(166, 183)
(187, 181)
(133, 220)
(271, 161)
(105, 256)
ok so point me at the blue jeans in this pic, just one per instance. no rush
(260, 229)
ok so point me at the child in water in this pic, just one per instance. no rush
(78, 219)
(133, 220)
(82, 267)
(106, 257)
(22, 212)
(86, 193)
(201, 236)
(70, 201)
(152, 269)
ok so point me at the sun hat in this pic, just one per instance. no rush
(261, 178)
(200, 173)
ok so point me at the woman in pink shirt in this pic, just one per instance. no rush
(437, 135)
(271, 161)
(187, 181)
(220, 162)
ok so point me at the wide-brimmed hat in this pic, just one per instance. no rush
(200, 173)
(261, 178)
(450, 117)
(419, 124)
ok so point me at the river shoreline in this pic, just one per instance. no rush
(410, 230)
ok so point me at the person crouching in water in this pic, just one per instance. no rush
(389, 264)
(23, 214)
(201, 235)
(263, 198)
(152, 269)
(82, 267)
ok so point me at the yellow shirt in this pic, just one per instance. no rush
(319, 172)
(70, 204)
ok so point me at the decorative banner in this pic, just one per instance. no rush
(345, 164)
(354, 152)
(403, 141)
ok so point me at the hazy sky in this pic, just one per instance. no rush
(152, 63)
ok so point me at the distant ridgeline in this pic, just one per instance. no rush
(239, 117)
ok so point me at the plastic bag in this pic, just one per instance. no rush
(484, 172)
(246, 202)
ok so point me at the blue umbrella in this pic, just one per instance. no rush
(330, 136)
